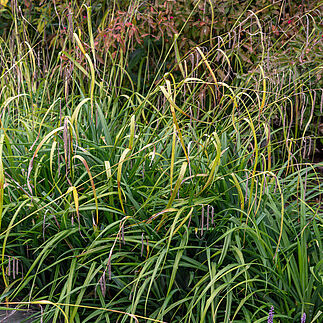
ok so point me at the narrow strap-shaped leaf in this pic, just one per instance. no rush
(177, 56)
(168, 97)
(76, 200)
(1, 178)
(132, 131)
(238, 187)
(177, 185)
(51, 157)
(93, 187)
(122, 159)
(76, 113)
(215, 163)
(92, 84)
(36, 151)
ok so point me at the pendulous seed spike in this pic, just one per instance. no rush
(13, 268)
(142, 245)
(202, 220)
(9, 265)
(122, 234)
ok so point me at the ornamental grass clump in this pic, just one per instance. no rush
(161, 180)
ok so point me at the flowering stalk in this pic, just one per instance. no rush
(271, 315)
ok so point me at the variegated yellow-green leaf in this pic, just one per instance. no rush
(4, 2)
(132, 131)
(93, 186)
(122, 159)
(76, 199)
(215, 163)
(172, 104)
(177, 185)
(238, 187)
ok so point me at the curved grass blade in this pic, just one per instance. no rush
(93, 188)
(1, 179)
(121, 161)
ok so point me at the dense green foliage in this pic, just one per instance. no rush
(150, 172)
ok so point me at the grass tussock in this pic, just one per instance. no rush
(153, 182)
